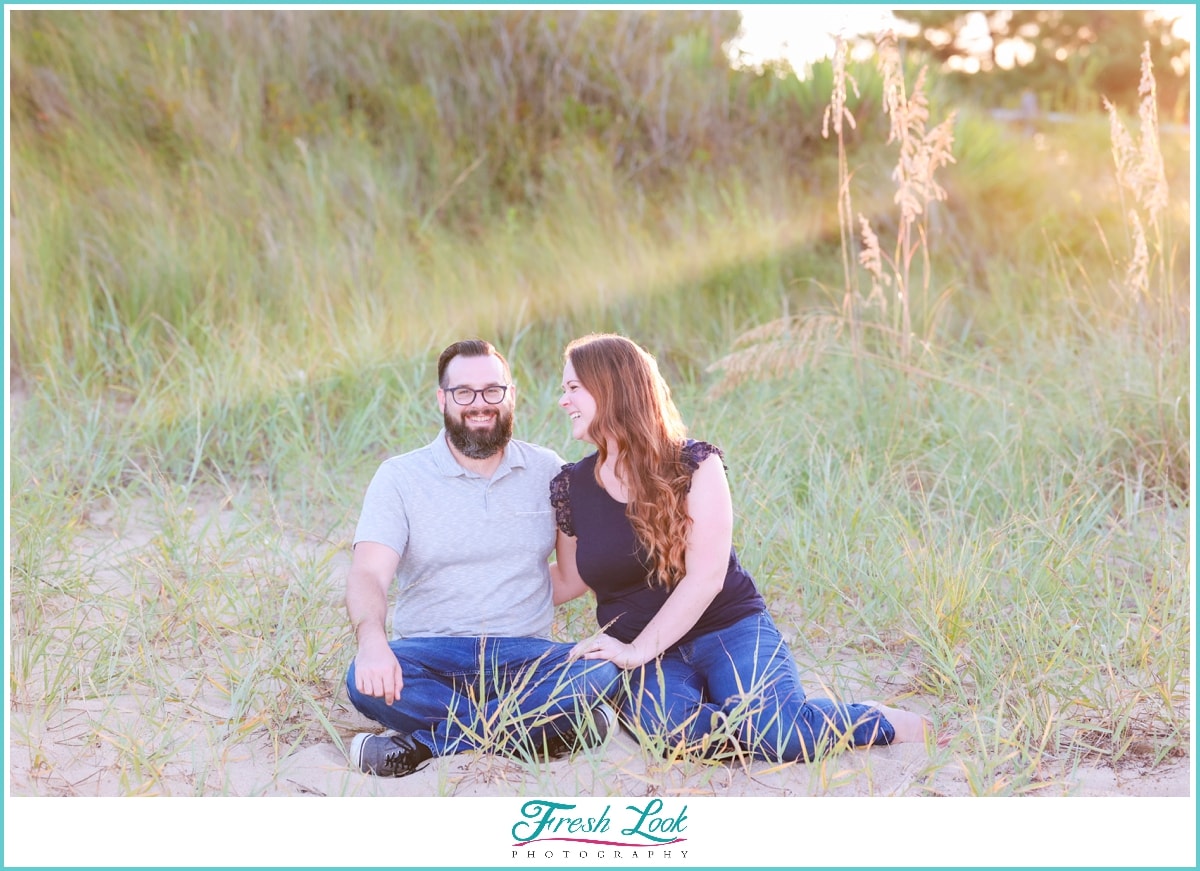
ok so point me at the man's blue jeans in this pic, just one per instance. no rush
(508, 694)
(744, 676)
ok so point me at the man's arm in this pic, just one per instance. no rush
(376, 669)
(564, 574)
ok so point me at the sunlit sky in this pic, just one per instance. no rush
(803, 34)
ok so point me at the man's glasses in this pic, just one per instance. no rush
(466, 395)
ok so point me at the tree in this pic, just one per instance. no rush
(1070, 57)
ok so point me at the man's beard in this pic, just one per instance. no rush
(479, 444)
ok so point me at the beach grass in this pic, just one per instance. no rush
(960, 459)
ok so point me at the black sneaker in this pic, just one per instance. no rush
(605, 720)
(585, 735)
(392, 754)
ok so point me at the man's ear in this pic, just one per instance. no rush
(441, 397)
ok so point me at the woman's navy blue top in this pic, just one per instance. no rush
(615, 565)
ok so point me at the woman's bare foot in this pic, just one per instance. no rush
(908, 726)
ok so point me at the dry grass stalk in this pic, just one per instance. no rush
(1141, 175)
(777, 348)
(1137, 274)
(1153, 195)
(922, 153)
(789, 343)
(836, 114)
(871, 258)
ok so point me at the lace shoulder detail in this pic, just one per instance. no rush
(695, 453)
(560, 498)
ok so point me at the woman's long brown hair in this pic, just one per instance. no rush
(634, 409)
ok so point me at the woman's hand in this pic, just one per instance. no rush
(604, 646)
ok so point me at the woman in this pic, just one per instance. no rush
(646, 523)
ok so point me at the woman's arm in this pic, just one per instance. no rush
(710, 540)
(564, 573)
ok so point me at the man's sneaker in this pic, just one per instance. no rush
(587, 734)
(392, 754)
(605, 719)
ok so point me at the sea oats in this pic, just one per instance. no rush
(871, 259)
(788, 343)
(1141, 176)
(835, 114)
(1137, 275)
(836, 111)
(1153, 193)
(777, 348)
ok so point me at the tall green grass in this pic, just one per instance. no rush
(240, 239)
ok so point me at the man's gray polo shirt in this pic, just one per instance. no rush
(473, 551)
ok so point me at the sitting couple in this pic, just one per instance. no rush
(465, 527)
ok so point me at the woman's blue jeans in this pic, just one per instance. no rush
(467, 692)
(745, 677)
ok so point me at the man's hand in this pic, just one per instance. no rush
(377, 671)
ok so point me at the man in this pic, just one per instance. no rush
(465, 526)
